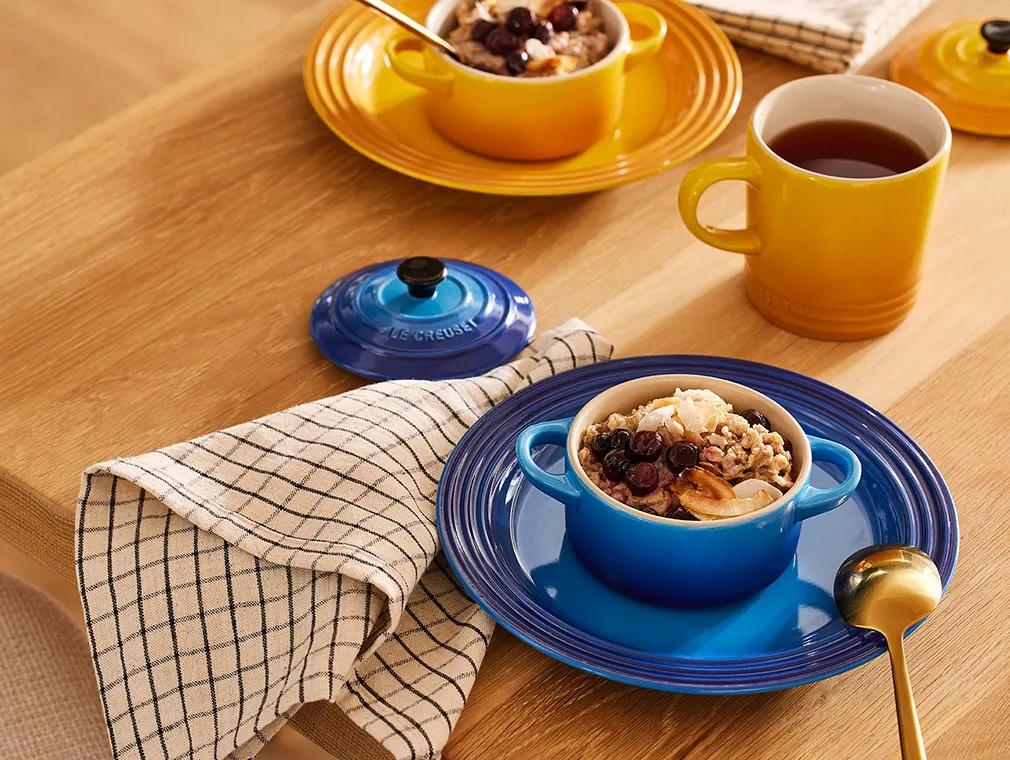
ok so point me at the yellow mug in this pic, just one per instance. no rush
(829, 257)
(520, 118)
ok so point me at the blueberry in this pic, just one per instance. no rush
(542, 32)
(500, 41)
(754, 417)
(615, 464)
(482, 29)
(516, 62)
(620, 439)
(600, 445)
(645, 446)
(681, 455)
(648, 511)
(642, 477)
(563, 17)
(681, 514)
(521, 21)
(787, 445)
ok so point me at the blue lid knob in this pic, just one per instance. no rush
(421, 275)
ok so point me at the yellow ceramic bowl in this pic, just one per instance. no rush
(527, 119)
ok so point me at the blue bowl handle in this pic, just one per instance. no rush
(556, 433)
(815, 501)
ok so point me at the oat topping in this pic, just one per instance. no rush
(688, 456)
(533, 38)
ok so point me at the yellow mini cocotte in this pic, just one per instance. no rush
(527, 119)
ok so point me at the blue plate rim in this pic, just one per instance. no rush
(701, 670)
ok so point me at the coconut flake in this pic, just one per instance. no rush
(748, 488)
(482, 11)
(656, 418)
(703, 394)
(689, 416)
(699, 504)
(661, 420)
(538, 51)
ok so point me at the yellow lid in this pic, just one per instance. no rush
(965, 70)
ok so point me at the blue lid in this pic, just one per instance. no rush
(422, 318)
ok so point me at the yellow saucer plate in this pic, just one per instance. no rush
(675, 104)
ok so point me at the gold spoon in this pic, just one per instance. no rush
(887, 588)
(410, 25)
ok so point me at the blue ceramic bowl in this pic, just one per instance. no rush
(674, 562)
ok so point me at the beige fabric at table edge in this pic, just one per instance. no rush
(46, 671)
(323, 723)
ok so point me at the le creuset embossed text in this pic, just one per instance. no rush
(423, 318)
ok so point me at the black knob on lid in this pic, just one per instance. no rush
(996, 32)
(421, 274)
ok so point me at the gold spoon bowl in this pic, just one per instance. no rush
(888, 588)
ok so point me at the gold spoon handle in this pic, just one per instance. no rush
(409, 24)
(909, 732)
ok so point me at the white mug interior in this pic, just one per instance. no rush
(441, 19)
(846, 97)
(628, 395)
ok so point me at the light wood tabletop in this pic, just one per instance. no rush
(66, 66)
(156, 275)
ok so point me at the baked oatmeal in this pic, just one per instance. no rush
(532, 38)
(688, 456)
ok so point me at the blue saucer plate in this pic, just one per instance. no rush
(507, 543)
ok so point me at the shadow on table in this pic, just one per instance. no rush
(720, 321)
(559, 712)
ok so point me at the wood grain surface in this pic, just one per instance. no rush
(156, 275)
(66, 65)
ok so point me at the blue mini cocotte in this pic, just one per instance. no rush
(642, 555)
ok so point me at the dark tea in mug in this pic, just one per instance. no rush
(850, 149)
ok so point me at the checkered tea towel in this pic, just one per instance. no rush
(826, 35)
(230, 579)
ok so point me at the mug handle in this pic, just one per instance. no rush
(649, 45)
(556, 433)
(815, 501)
(697, 181)
(419, 75)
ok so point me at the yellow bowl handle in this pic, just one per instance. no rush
(419, 75)
(652, 20)
(697, 181)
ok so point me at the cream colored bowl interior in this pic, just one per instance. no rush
(626, 396)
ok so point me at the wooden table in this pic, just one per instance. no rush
(66, 66)
(155, 279)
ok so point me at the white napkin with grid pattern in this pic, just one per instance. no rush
(230, 579)
(826, 35)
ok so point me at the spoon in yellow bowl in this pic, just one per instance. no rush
(888, 588)
(410, 25)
